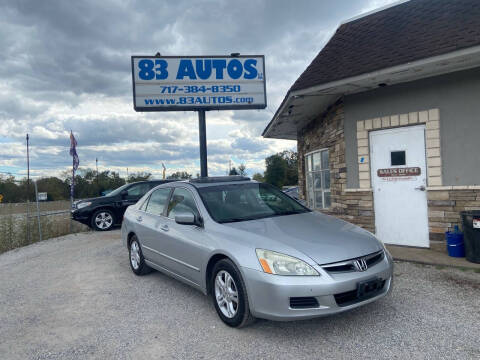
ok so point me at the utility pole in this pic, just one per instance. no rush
(127, 175)
(96, 165)
(72, 189)
(28, 189)
(38, 212)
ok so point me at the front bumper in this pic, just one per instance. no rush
(269, 295)
(80, 216)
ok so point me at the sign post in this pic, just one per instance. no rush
(202, 135)
(199, 83)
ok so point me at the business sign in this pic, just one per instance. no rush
(178, 83)
(399, 172)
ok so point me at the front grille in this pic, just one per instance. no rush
(374, 259)
(303, 302)
(340, 268)
(351, 297)
(347, 265)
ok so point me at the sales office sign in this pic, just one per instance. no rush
(174, 83)
(396, 174)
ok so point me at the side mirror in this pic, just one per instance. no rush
(124, 194)
(187, 218)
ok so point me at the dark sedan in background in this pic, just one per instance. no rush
(102, 213)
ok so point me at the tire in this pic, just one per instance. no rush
(102, 220)
(135, 255)
(227, 281)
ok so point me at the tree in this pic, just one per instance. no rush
(55, 188)
(291, 157)
(258, 177)
(281, 169)
(276, 170)
(10, 190)
(242, 170)
(233, 171)
(139, 176)
(86, 182)
(179, 175)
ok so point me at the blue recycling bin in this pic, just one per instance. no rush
(455, 245)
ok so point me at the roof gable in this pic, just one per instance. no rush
(407, 32)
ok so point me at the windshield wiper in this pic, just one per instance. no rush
(291, 212)
(247, 218)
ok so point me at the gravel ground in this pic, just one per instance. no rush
(75, 297)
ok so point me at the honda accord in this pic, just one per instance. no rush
(256, 251)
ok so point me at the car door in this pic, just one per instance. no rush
(130, 197)
(187, 246)
(148, 224)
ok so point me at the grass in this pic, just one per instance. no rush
(13, 229)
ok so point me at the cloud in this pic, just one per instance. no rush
(66, 66)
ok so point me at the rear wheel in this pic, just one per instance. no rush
(230, 295)
(137, 261)
(103, 220)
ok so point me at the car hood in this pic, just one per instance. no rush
(97, 200)
(325, 239)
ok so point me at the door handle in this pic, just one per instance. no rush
(421, 188)
(164, 227)
(139, 219)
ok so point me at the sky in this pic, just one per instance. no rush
(66, 66)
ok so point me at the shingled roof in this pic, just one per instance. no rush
(410, 31)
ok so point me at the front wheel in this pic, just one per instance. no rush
(230, 295)
(103, 220)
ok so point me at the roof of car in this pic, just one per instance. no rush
(219, 180)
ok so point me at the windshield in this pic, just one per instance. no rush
(117, 190)
(241, 202)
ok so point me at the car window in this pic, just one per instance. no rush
(182, 201)
(152, 184)
(138, 190)
(242, 202)
(144, 205)
(157, 201)
(117, 190)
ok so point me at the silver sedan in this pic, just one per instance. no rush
(258, 252)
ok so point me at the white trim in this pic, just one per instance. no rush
(394, 123)
(359, 190)
(474, 50)
(314, 151)
(381, 8)
(453, 187)
(334, 90)
(312, 171)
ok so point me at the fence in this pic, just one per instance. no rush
(26, 223)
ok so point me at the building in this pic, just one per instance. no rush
(387, 121)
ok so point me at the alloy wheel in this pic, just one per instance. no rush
(135, 255)
(103, 220)
(226, 294)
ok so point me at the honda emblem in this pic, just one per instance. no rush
(360, 264)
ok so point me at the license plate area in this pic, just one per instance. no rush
(369, 288)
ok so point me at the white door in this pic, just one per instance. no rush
(399, 181)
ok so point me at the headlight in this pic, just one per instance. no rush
(280, 264)
(83, 204)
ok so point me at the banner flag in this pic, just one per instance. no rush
(75, 162)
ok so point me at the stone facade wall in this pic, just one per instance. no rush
(356, 205)
(327, 131)
(445, 205)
